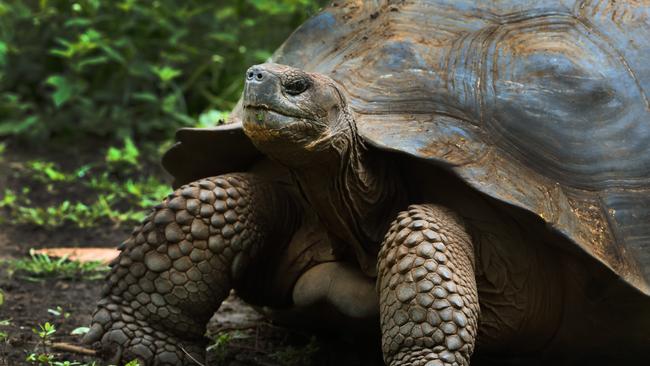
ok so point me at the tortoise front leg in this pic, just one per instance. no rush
(428, 298)
(180, 264)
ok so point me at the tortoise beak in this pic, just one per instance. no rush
(262, 86)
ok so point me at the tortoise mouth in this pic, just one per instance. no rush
(264, 116)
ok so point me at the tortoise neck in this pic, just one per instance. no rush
(356, 193)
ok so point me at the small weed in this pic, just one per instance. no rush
(4, 342)
(40, 358)
(59, 312)
(46, 172)
(44, 333)
(219, 346)
(126, 157)
(109, 186)
(41, 266)
(220, 343)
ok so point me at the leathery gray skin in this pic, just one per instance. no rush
(417, 258)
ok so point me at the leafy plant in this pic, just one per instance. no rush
(4, 340)
(40, 358)
(220, 343)
(41, 266)
(135, 68)
(44, 333)
(115, 191)
(128, 155)
(59, 312)
(219, 346)
(67, 363)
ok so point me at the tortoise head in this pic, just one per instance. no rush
(292, 115)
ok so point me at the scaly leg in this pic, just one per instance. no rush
(180, 264)
(428, 298)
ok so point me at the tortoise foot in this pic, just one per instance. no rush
(119, 337)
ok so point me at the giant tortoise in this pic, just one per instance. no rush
(469, 175)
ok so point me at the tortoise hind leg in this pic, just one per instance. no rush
(428, 299)
(180, 264)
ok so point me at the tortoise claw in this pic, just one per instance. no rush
(120, 341)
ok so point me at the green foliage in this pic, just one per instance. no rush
(115, 191)
(43, 355)
(46, 172)
(219, 346)
(128, 155)
(40, 358)
(41, 266)
(221, 342)
(4, 339)
(130, 67)
(59, 312)
(44, 331)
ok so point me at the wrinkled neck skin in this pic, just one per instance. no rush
(355, 193)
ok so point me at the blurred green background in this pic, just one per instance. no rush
(92, 91)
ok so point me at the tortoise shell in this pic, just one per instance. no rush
(540, 104)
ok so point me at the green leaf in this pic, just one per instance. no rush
(224, 37)
(91, 61)
(3, 53)
(145, 97)
(80, 331)
(64, 90)
(15, 127)
(166, 73)
(77, 22)
(112, 53)
(128, 154)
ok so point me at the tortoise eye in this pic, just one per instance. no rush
(297, 85)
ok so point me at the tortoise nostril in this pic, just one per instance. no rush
(259, 76)
(249, 75)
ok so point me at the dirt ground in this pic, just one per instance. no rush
(254, 341)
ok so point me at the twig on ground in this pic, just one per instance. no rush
(191, 357)
(74, 349)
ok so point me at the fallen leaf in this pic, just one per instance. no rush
(84, 255)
